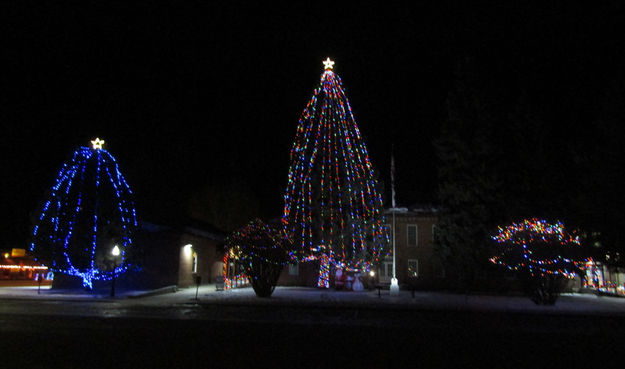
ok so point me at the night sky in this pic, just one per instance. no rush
(188, 95)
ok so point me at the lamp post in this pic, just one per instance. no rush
(115, 253)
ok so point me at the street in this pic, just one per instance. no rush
(140, 333)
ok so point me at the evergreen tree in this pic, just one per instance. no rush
(469, 189)
(599, 196)
(226, 206)
(333, 208)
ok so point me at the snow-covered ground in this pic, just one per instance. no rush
(294, 296)
(567, 303)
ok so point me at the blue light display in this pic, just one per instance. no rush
(88, 211)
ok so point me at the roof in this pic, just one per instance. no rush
(192, 226)
(416, 209)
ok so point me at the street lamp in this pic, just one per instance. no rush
(115, 253)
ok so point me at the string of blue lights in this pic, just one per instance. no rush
(88, 211)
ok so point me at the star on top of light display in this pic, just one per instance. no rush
(328, 64)
(97, 143)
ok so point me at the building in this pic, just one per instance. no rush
(415, 260)
(604, 279)
(18, 268)
(416, 263)
(164, 255)
(300, 274)
(177, 255)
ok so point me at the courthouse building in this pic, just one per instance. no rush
(416, 264)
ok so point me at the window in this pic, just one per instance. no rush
(412, 234)
(413, 268)
(194, 262)
(293, 269)
(388, 269)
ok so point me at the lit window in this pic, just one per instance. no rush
(412, 234)
(195, 262)
(413, 268)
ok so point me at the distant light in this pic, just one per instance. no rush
(187, 250)
(115, 251)
(328, 64)
(97, 143)
(6, 255)
(372, 273)
(23, 267)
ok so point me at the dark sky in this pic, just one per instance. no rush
(186, 95)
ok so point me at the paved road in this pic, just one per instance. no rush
(86, 334)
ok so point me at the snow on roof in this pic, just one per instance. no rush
(412, 210)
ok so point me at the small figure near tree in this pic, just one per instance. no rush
(546, 253)
(263, 251)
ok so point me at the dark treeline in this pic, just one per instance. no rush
(508, 151)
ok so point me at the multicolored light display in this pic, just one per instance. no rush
(255, 242)
(236, 277)
(538, 246)
(333, 210)
(88, 212)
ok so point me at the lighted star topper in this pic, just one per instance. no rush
(329, 64)
(97, 143)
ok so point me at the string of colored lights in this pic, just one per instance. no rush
(332, 206)
(324, 271)
(239, 279)
(534, 237)
(254, 242)
(71, 231)
(25, 267)
(600, 278)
